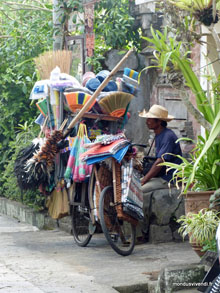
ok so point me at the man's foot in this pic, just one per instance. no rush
(140, 240)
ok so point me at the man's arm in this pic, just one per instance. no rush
(153, 171)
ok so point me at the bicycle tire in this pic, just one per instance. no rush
(119, 233)
(80, 222)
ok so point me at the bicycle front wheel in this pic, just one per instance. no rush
(81, 221)
(119, 233)
(80, 225)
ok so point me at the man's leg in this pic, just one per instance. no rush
(148, 189)
(154, 184)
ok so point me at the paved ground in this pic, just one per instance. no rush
(49, 261)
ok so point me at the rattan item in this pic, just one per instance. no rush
(76, 100)
(104, 176)
(115, 103)
(47, 61)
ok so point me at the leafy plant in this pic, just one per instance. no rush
(200, 227)
(202, 9)
(114, 23)
(70, 10)
(96, 60)
(21, 39)
(8, 186)
(207, 172)
(169, 52)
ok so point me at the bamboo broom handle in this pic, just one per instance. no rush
(96, 93)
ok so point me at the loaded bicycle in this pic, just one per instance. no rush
(101, 203)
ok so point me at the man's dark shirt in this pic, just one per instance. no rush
(165, 142)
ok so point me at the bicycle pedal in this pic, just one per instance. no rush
(126, 244)
(114, 237)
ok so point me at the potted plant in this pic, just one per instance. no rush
(201, 229)
(199, 184)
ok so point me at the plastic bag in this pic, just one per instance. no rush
(76, 169)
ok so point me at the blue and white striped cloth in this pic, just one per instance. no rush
(132, 195)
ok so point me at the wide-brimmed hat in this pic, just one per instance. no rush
(158, 112)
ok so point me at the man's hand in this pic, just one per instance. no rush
(155, 169)
(143, 180)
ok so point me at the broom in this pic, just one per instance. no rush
(43, 161)
(115, 103)
(47, 61)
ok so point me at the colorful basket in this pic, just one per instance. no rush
(76, 100)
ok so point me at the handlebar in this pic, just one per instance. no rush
(138, 144)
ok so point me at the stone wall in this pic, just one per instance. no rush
(136, 128)
(166, 207)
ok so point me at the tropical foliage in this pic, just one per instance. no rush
(207, 174)
(114, 23)
(201, 9)
(25, 32)
(8, 182)
(200, 227)
(114, 28)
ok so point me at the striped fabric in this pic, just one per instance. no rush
(132, 196)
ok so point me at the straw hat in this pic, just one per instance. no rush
(158, 112)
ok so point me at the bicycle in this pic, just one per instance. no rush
(100, 204)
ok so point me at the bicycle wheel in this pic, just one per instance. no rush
(119, 233)
(81, 218)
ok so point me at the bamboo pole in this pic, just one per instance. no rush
(96, 93)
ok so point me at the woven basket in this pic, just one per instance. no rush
(105, 179)
(119, 206)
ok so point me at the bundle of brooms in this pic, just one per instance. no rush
(42, 163)
(47, 61)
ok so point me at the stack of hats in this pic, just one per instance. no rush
(92, 83)
(130, 80)
(87, 76)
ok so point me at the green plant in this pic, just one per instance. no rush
(170, 53)
(21, 39)
(207, 173)
(201, 228)
(96, 60)
(114, 23)
(202, 10)
(8, 181)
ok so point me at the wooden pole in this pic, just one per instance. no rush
(96, 93)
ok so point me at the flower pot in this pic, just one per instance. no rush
(195, 201)
(197, 248)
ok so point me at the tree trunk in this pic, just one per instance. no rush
(58, 34)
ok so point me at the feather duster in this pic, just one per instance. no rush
(19, 167)
(40, 166)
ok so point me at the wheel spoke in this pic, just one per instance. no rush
(119, 233)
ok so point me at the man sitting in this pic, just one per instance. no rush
(165, 145)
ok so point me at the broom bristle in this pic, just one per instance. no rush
(47, 61)
(115, 101)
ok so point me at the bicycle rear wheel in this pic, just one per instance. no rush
(119, 233)
(81, 218)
